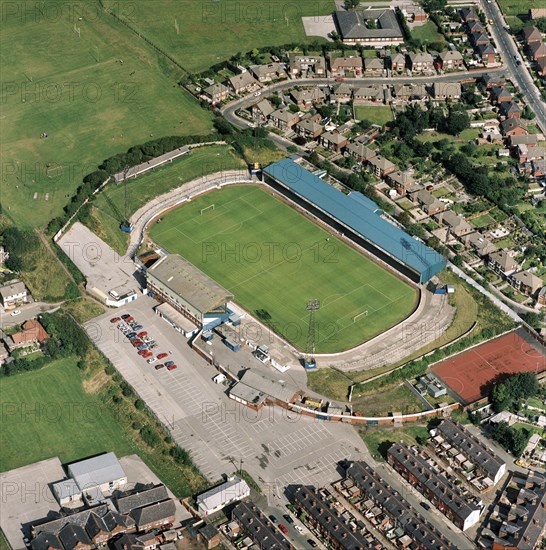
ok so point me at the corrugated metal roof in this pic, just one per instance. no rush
(348, 210)
(96, 471)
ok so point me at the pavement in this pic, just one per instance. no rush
(509, 52)
(28, 311)
(275, 446)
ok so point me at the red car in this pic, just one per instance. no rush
(159, 366)
(137, 342)
(283, 528)
(115, 319)
(171, 367)
(143, 351)
(142, 334)
(147, 354)
(162, 355)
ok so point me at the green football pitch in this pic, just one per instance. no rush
(274, 260)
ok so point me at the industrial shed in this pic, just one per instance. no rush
(358, 218)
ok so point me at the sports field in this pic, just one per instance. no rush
(273, 259)
(471, 373)
(199, 34)
(73, 72)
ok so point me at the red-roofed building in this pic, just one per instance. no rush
(33, 333)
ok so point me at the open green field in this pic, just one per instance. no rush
(200, 34)
(274, 260)
(95, 94)
(379, 114)
(378, 440)
(427, 33)
(69, 422)
(516, 12)
(398, 399)
(200, 162)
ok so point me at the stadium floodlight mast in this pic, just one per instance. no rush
(309, 362)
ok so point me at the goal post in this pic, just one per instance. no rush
(359, 315)
(207, 208)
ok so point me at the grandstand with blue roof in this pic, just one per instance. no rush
(357, 217)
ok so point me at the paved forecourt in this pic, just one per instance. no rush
(274, 260)
(274, 445)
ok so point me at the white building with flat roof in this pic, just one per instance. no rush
(217, 498)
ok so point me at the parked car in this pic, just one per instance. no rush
(126, 316)
(141, 352)
(152, 360)
(298, 528)
(159, 366)
(273, 518)
(136, 343)
(147, 354)
(138, 327)
(288, 518)
(169, 363)
(152, 345)
(311, 543)
(171, 367)
(162, 355)
(142, 347)
(132, 335)
(115, 319)
(425, 505)
(283, 528)
(16, 312)
(142, 334)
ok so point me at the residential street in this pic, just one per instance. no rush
(509, 53)
(28, 311)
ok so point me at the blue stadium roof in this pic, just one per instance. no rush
(360, 214)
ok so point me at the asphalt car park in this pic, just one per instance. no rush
(276, 448)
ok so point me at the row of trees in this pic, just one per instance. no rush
(117, 163)
(20, 245)
(508, 394)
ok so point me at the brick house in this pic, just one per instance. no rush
(531, 35)
(155, 515)
(446, 90)
(360, 152)
(486, 54)
(243, 82)
(480, 244)
(537, 50)
(526, 282)
(475, 28)
(428, 202)
(457, 224)
(309, 129)
(217, 92)
(373, 66)
(368, 93)
(502, 262)
(333, 140)
(489, 81)
(397, 62)
(510, 109)
(266, 73)
(538, 168)
(540, 66)
(262, 110)
(499, 94)
(307, 66)
(381, 166)
(513, 127)
(342, 93)
(451, 60)
(340, 66)
(421, 62)
(284, 119)
(410, 92)
(468, 15)
(307, 97)
(401, 181)
(210, 536)
(33, 333)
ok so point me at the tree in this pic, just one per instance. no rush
(470, 149)
(528, 113)
(351, 4)
(456, 121)
(294, 108)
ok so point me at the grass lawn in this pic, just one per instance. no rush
(516, 12)
(281, 261)
(398, 399)
(200, 162)
(58, 411)
(70, 423)
(441, 192)
(379, 114)
(84, 309)
(200, 34)
(95, 95)
(427, 33)
(482, 221)
(537, 403)
(378, 440)
(507, 242)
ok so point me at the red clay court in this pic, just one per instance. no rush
(471, 373)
